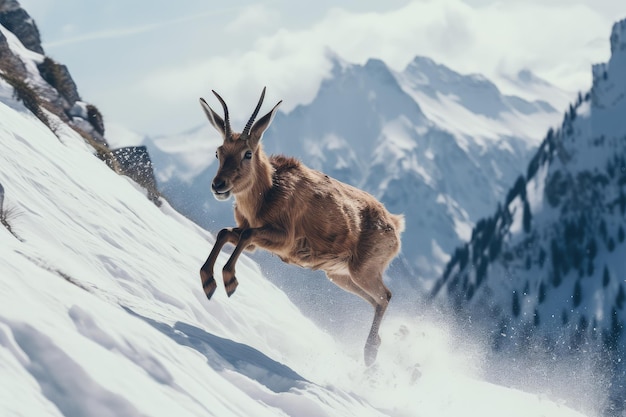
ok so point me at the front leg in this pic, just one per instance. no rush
(206, 272)
(266, 237)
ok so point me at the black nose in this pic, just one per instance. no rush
(218, 184)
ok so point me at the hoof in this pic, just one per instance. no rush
(371, 350)
(231, 286)
(208, 284)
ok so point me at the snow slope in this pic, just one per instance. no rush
(102, 314)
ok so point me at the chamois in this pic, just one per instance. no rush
(301, 215)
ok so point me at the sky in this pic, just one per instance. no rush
(144, 64)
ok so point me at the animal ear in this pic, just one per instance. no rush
(214, 118)
(263, 123)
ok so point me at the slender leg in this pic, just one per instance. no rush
(371, 282)
(345, 282)
(373, 339)
(206, 272)
(265, 237)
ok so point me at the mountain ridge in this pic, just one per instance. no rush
(546, 270)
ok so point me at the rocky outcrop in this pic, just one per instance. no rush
(59, 77)
(8, 61)
(135, 162)
(18, 21)
(53, 90)
(59, 94)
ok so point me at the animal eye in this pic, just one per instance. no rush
(248, 155)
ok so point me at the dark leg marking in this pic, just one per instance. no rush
(231, 285)
(208, 284)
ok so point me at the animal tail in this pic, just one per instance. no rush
(398, 221)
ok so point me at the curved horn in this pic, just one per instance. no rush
(246, 130)
(227, 130)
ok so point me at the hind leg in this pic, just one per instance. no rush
(370, 281)
(345, 282)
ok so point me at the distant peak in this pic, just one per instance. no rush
(526, 76)
(422, 62)
(333, 56)
(378, 69)
(338, 64)
(376, 63)
(420, 59)
(618, 36)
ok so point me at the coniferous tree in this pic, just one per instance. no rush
(612, 335)
(541, 293)
(515, 305)
(603, 231)
(620, 298)
(606, 277)
(590, 268)
(527, 217)
(577, 297)
(494, 248)
(556, 278)
(592, 249)
(542, 257)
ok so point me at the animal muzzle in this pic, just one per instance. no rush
(221, 189)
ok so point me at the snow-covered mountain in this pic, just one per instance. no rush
(439, 146)
(546, 273)
(102, 311)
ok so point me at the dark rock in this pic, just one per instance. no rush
(135, 162)
(18, 21)
(94, 117)
(9, 63)
(59, 77)
(1, 198)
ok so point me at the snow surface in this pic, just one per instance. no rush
(102, 314)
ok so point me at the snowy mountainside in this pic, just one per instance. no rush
(46, 88)
(39, 81)
(471, 105)
(102, 313)
(370, 127)
(545, 274)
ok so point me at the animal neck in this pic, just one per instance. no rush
(250, 200)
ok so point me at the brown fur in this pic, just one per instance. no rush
(304, 217)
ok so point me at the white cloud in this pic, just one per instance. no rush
(553, 41)
(253, 18)
(166, 63)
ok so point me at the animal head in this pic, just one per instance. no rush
(239, 152)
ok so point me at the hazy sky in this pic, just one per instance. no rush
(144, 63)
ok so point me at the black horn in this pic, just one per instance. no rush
(227, 130)
(246, 130)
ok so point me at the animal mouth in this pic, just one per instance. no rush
(222, 194)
